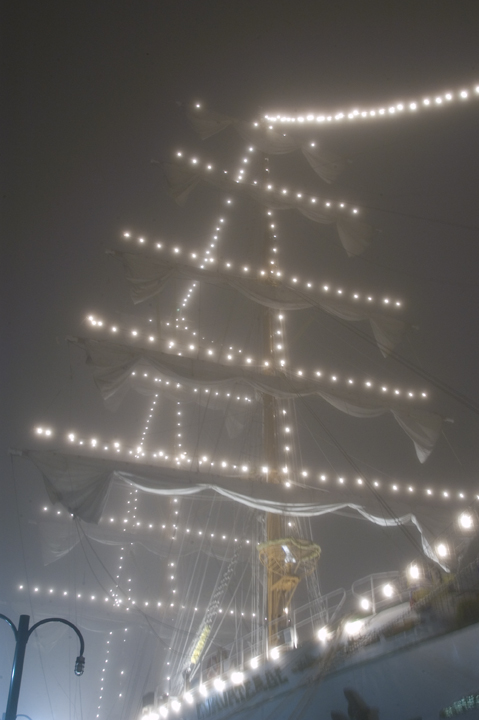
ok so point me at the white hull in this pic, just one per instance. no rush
(404, 679)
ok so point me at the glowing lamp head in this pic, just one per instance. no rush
(176, 705)
(151, 715)
(354, 627)
(237, 678)
(388, 590)
(203, 691)
(323, 634)
(442, 550)
(365, 604)
(254, 662)
(164, 711)
(189, 698)
(466, 521)
(414, 572)
(219, 684)
(274, 653)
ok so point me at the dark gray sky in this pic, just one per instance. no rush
(91, 93)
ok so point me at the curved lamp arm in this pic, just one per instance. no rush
(80, 661)
(12, 625)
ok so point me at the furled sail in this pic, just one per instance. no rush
(355, 235)
(81, 484)
(147, 276)
(326, 164)
(113, 364)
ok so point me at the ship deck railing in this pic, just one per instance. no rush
(379, 590)
(309, 619)
(425, 608)
(452, 602)
(253, 649)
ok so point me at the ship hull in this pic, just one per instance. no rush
(395, 679)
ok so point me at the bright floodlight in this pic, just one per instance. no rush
(465, 521)
(151, 715)
(203, 691)
(442, 550)
(414, 572)
(275, 653)
(164, 711)
(176, 705)
(254, 663)
(354, 627)
(189, 698)
(219, 684)
(323, 634)
(365, 604)
(237, 678)
(388, 590)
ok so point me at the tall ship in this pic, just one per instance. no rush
(196, 516)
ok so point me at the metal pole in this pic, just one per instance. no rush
(22, 635)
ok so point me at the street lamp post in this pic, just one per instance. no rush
(22, 635)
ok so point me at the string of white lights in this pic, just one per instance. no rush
(361, 112)
(374, 593)
(277, 342)
(331, 208)
(147, 426)
(121, 599)
(182, 324)
(108, 671)
(465, 521)
(104, 671)
(116, 595)
(204, 462)
(151, 338)
(147, 526)
(143, 378)
(324, 288)
(320, 376)
(154, 606)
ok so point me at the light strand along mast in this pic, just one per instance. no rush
(286, 559)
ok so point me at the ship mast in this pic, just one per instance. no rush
(286, 560)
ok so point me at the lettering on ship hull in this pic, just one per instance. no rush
(240, 694)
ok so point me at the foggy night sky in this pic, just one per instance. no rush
(91, 92)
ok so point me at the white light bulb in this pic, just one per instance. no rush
(323, 634)
(414, 572)
(388, 590)
(237, 677)
(442, 550)
(466, 521)
(354, 627)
